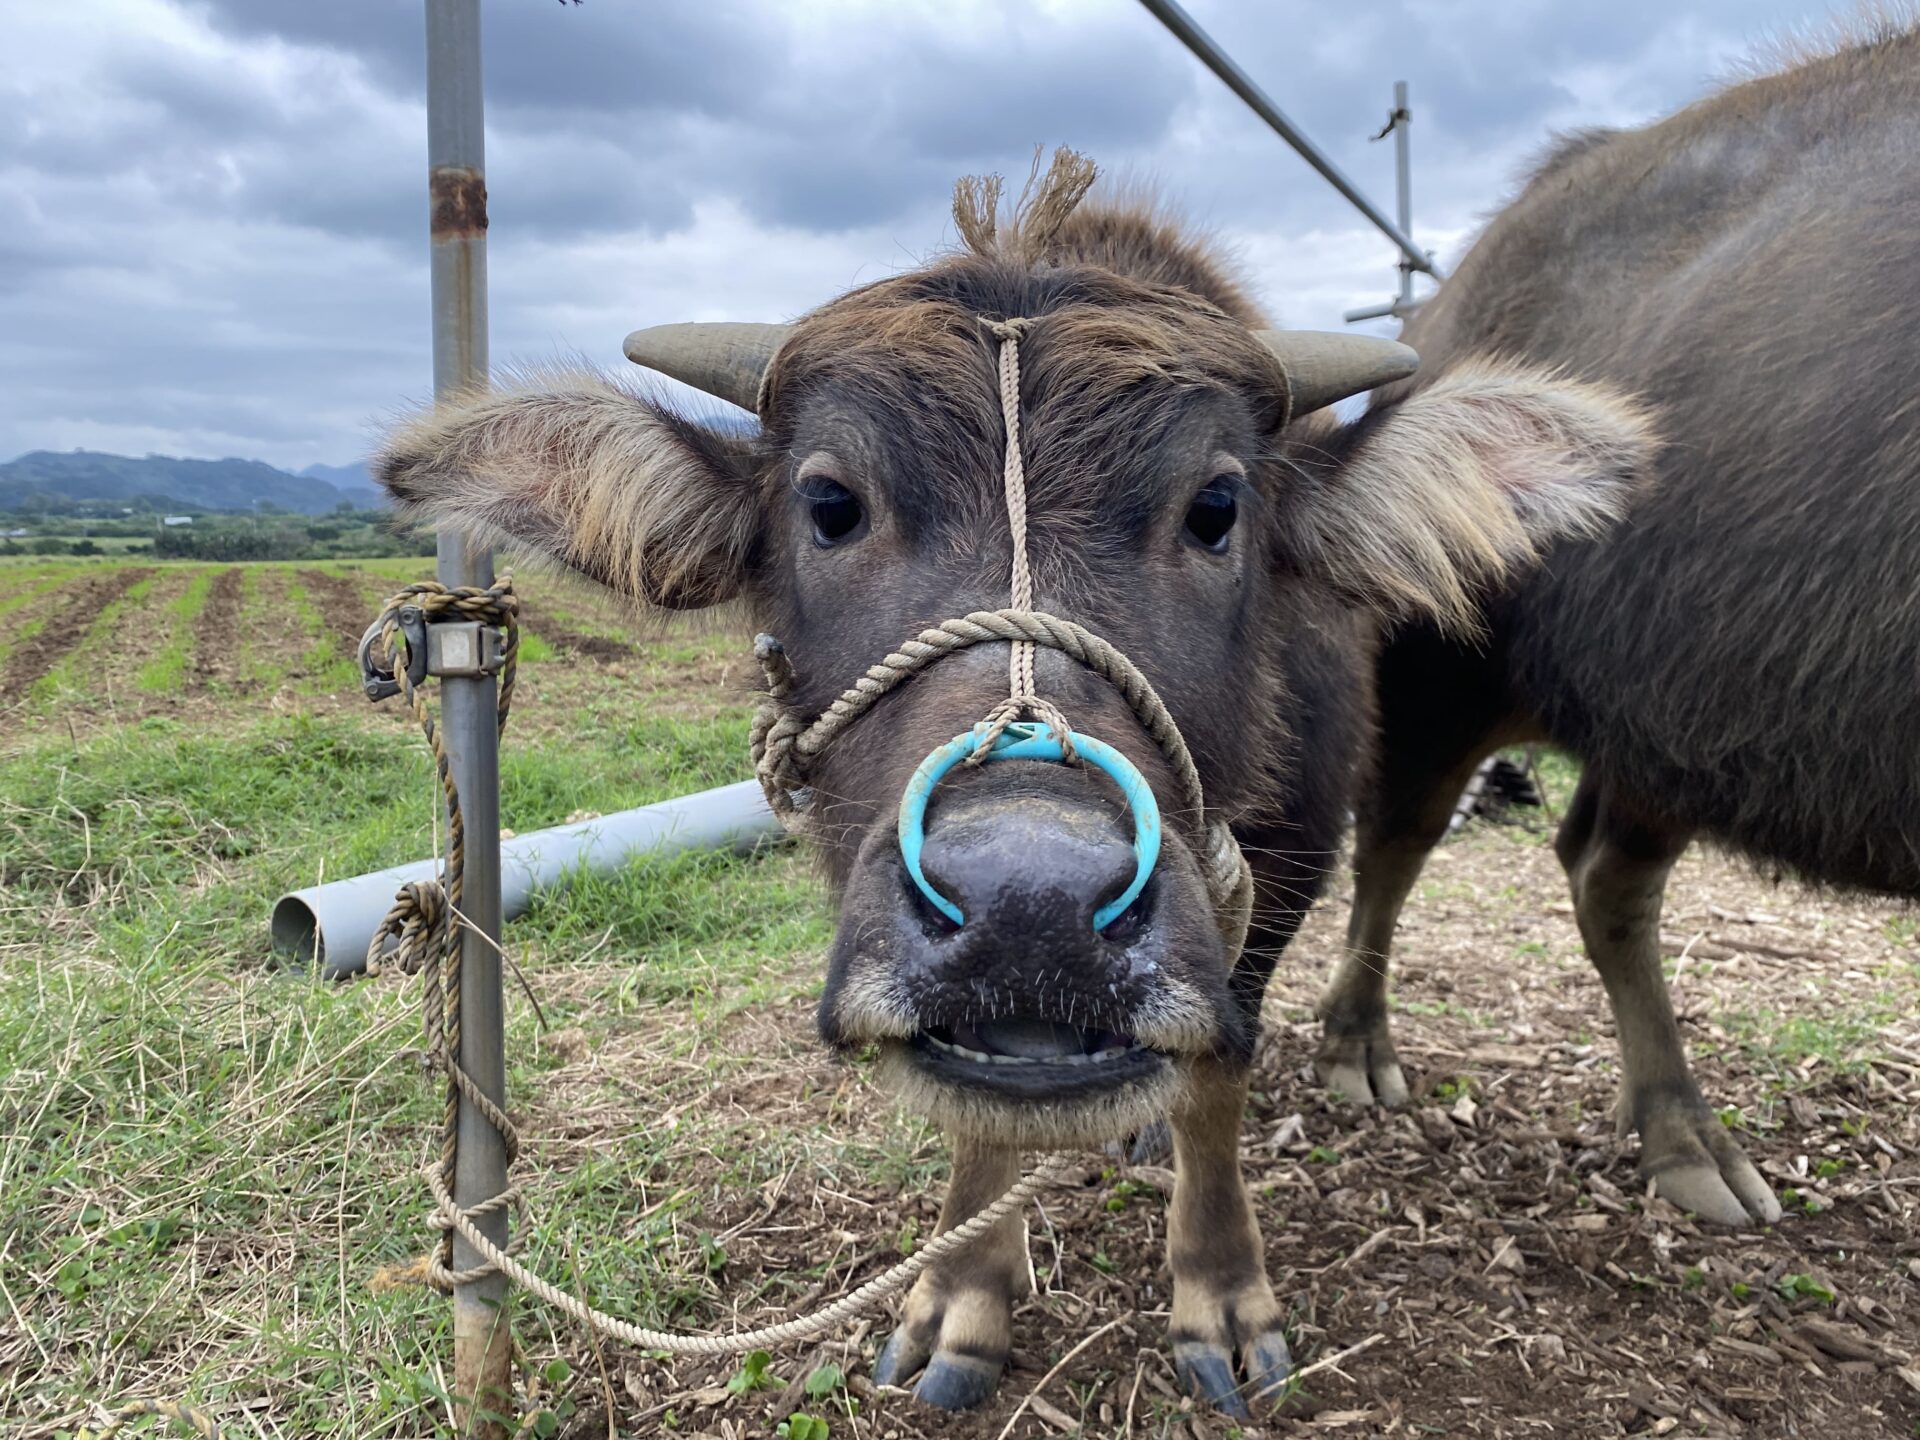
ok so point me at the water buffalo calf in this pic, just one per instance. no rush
(1740, 660)
(1191, 501)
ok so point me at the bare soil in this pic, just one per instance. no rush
(1492, 1248)
(343, 604)
(217, 634)
(69, 610)
(539, 621)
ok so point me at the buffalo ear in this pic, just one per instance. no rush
(1460, 487)
(574, 469)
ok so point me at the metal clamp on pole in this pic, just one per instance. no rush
(457, 649)
(463, 648)
(1399, 122)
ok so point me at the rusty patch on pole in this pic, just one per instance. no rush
(459, 202)
(482, 1365)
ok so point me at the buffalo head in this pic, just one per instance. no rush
(1190, 500)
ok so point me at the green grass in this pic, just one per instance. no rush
(205, 1160)
(166, 673)
(533, 649)
(1842, 1041)
(261, 666)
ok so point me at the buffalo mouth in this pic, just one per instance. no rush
(1031, 1058)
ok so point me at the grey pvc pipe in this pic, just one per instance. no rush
(330, 925)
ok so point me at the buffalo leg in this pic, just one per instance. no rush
(1226, 1336)
(957, 1324)
(1356, 1057)
(1617, 862)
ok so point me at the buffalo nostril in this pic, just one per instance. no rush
(937, 924)
(1125, 927)
(1031, 741)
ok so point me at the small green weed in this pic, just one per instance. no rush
(755, 1373)
(1804, 1287)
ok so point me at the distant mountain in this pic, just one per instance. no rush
(49, 479)
(353, 481)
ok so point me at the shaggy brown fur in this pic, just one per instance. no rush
(571, 467)
(1736, 661)
(1511, 423)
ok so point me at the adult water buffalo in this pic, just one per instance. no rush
(1741, 659)
(1188, 500)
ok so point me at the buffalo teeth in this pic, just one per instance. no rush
(979, 1057)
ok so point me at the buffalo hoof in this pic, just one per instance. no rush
(1150, 1145)
(1228, 1348)
(948, 1380)
(1694, 1163)
(1209, 1373)
(1358, 1063)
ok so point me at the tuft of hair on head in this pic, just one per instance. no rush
(1046, 200)
(1862, 29)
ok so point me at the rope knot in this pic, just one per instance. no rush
(1021, 707)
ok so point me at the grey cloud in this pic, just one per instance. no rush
(221, 245)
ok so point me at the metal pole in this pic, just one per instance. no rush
(456, 159)
(1169, 14)
(1403, 180)
(1399, 123)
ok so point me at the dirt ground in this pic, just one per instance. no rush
(1487, 1261)
(217, 634)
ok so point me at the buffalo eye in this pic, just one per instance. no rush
(836, 511)
(1211, 515)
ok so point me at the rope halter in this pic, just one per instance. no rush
(1024, 726)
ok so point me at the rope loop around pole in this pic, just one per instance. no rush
(424, 923)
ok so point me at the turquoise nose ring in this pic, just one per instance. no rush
(1032, 740)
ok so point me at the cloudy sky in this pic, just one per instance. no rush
(215, 233)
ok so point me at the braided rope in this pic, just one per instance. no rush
(424, 919)
(1023, 695)
(882, 1287)
(784, 744)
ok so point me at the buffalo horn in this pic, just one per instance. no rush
(1323, 366)
(723, 358)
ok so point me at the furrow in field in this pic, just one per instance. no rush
(342, 606)
(216, 633)
(539, 620)
(72, 615)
